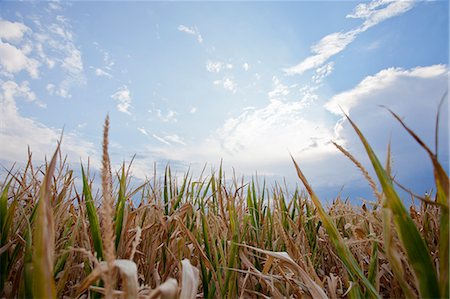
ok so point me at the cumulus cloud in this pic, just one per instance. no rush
(192, 31)
(262, 138)
(414, 95)
(12, 31)
(332, 44)
(384, 81)
(246, 66)
(14, 60)
(123, 97)
(24, 49)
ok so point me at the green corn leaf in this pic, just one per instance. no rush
(4, 208)
(6, 217)
(180, 195)
(166, 191)
(120, 206)
(415, 247)
(94, 225)
(442, 198)
(373, 265)
(342, 249)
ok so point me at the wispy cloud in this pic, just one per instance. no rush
(228, 83)
(322, 72)
(160, 139)
(101, 73)
(279, 91)
(167, 139)
(54, 45)
(19, 132)
(379, 10)
(192, 31)
(214, 66)
(123, 96)
(169, 116)
(174, 139)
(373, 13)
(143, 131)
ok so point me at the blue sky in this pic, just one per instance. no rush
(246, 82)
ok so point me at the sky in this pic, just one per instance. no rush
(246, 83)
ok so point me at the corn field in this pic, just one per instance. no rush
(216, 236)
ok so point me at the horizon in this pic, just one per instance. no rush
(248, 83)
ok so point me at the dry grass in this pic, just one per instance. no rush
(210, 238)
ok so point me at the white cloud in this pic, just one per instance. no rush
(262, 138)
(14, 60)
(414, 95)
(193, 110)
(50, 88)
(322, 72)
(143, 131)
(385, 80)
(332, 44)
(228, 83)
(58, 39)
(101, 73)
(192, 31)
(12, 31)
(170, 116)
(328, 46)
(18, 132)
(379, 10)
(160, 139)
(266, 136)
(246, 66)
(174, 139)
(54, 5)
(279, 91)
(214, 66)
(73, 62)
(123, 96)
(61, 31)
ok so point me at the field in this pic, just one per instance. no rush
(217, 236)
